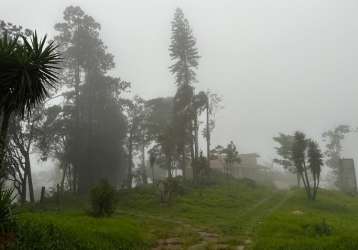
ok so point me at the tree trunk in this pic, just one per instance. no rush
(29, 175)
(77, 126)
(207, 133)
(144, 174)
(169, 168)
(298, 179)
(184, 163)
(130, 159)
(63, 177)
(152, 167)
(192, 152)
(24, 189)
(3, 142)
(196, 136)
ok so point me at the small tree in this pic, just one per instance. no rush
(230, 155)
(334, 139)
(284, 150)
(103, 199)
(307, 159)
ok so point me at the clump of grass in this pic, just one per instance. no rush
(318, 229)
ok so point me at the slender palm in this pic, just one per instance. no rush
(27, 70)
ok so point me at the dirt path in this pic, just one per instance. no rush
(205, 239)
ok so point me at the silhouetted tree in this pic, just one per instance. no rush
(285, 152)
(27, 71)
(95, 108)
(212, 105)
(334, 148)
(307, 159)
(136, 119)
(161, 132)
(185, 55)
(21, 139)
(229, 155)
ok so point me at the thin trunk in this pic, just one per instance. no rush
(196, 139)
(298, 179)
(207, 133)
(3, 140)
(152, 167)
(24, 188)
(144, 174)
(77, 125)
(63, 177)
(29, 175)
(307, 182)
(130, 160)
(169, 168)
(304, 183)
(184, 163)
(192, 153)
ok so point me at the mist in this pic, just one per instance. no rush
(277, 66)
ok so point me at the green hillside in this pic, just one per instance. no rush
(235, 215)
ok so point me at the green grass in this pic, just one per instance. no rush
(234, 210)
(50, 230)
(288, 229)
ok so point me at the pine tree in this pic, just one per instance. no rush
(183, 51)
(185, 56)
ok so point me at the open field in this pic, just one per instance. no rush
(236, 215)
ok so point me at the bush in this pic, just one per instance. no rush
(103, 199)
(318, 229)
(7, 218)
(249, 182)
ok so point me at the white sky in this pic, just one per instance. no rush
(279, 65)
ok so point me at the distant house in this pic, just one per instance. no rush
(348, 180)
(247, 168)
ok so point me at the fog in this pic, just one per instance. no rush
(280, 66)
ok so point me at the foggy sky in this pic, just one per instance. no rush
(280, 65)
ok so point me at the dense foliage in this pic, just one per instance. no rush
(103, 199)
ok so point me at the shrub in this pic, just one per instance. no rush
(103, 199)
(249, 182)
(7, 220)
(318, 229)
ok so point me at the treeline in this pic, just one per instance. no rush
(93, 130)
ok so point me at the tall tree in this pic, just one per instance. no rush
(136, 118)
(284, 150)
(212, 106)
(84, 54)
(96, 112)
(185, 56)
(333, 139)
(161, 132)
(307, 159)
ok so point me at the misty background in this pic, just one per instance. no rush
(280, 66)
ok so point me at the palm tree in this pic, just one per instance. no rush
(28, 68)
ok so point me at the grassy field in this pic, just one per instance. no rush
(235, 215)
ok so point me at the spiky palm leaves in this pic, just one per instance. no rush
(27, 70)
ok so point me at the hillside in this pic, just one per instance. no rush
(235, 215)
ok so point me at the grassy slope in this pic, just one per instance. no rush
(288, 229)
(234, 211)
